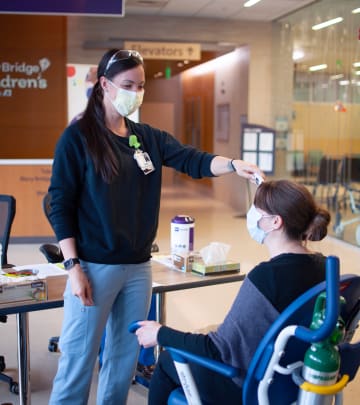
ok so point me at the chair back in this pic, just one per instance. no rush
(7, 215)
(51, 251)
(46, 205)
(283, 390)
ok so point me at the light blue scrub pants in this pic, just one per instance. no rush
(121, 295)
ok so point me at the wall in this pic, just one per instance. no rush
(32, 84)
(89, 37)
(33, 112)
(232, 87)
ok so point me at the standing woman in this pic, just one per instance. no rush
(105, 199)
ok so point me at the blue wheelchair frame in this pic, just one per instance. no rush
(266, 381)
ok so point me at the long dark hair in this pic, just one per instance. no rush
(92, 124)
(303, 218)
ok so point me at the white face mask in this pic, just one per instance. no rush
(126, 101)
(252, 222)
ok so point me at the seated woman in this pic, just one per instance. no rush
(284, 217)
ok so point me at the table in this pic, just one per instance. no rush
(165, 280)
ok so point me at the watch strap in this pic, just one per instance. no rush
(70, 263)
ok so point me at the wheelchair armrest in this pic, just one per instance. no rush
(181, 356)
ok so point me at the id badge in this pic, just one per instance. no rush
(144, 162)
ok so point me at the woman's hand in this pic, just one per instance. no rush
(147, 333)
(80, 285)
(221, 165)
(248, 171)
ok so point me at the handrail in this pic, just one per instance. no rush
(332, 305)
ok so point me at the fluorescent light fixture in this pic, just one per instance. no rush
(336, 77)
(213, 64)
(250, 3)
(298, 54)
(357, 73)
(356, 10)
(318, 67)
(327, 23)
(344, 82)
(356, 64)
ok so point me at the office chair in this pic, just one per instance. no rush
(268, 382)
(7, 215)
(349, 181)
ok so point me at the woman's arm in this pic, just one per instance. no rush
(151, 333)
(80, 285)
(221, 165)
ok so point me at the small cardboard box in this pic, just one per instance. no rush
(34, 290)
(198, 266)
(183, 261)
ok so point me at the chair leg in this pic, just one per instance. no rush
(13, 386)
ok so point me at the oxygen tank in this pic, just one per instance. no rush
(322, 359)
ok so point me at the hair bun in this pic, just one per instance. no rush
(317, 229)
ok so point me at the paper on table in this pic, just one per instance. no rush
(164, 259)
(44, 270)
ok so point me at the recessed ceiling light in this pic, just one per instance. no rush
(318, 67)
(298, 54)
(327, 23)
(250, 3)
(336, 77)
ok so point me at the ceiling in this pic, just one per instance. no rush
(265, 10)
(327, 44)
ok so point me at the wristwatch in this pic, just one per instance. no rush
(70, 263)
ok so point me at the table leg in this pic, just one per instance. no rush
(23, 358)
(160, 316)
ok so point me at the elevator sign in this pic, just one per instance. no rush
(166, 50)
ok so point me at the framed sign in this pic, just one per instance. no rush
(258, 146)
(223, 122)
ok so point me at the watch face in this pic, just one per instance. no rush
(70, 263)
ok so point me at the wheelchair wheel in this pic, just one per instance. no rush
(2, 364)
(357, 234)
(339, 231)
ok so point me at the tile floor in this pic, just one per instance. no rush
(214, 222)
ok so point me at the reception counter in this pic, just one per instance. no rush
(27, 180)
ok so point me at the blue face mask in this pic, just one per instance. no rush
(252, 222)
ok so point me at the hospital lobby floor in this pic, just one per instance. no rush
(215, 221)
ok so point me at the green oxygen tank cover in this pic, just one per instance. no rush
(133, 142)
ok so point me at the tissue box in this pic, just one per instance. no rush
(198, 266)
(183, 261)
(24, 291)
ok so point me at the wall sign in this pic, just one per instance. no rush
(258, 146)
(165, 50)
(63, 7)
(20, 75)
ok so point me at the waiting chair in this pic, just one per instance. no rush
(327, 180)
(7, 215)
(349, 181)
(268, 382)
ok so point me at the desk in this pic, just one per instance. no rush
(165, 280)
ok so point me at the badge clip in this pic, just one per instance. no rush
(142, 158)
